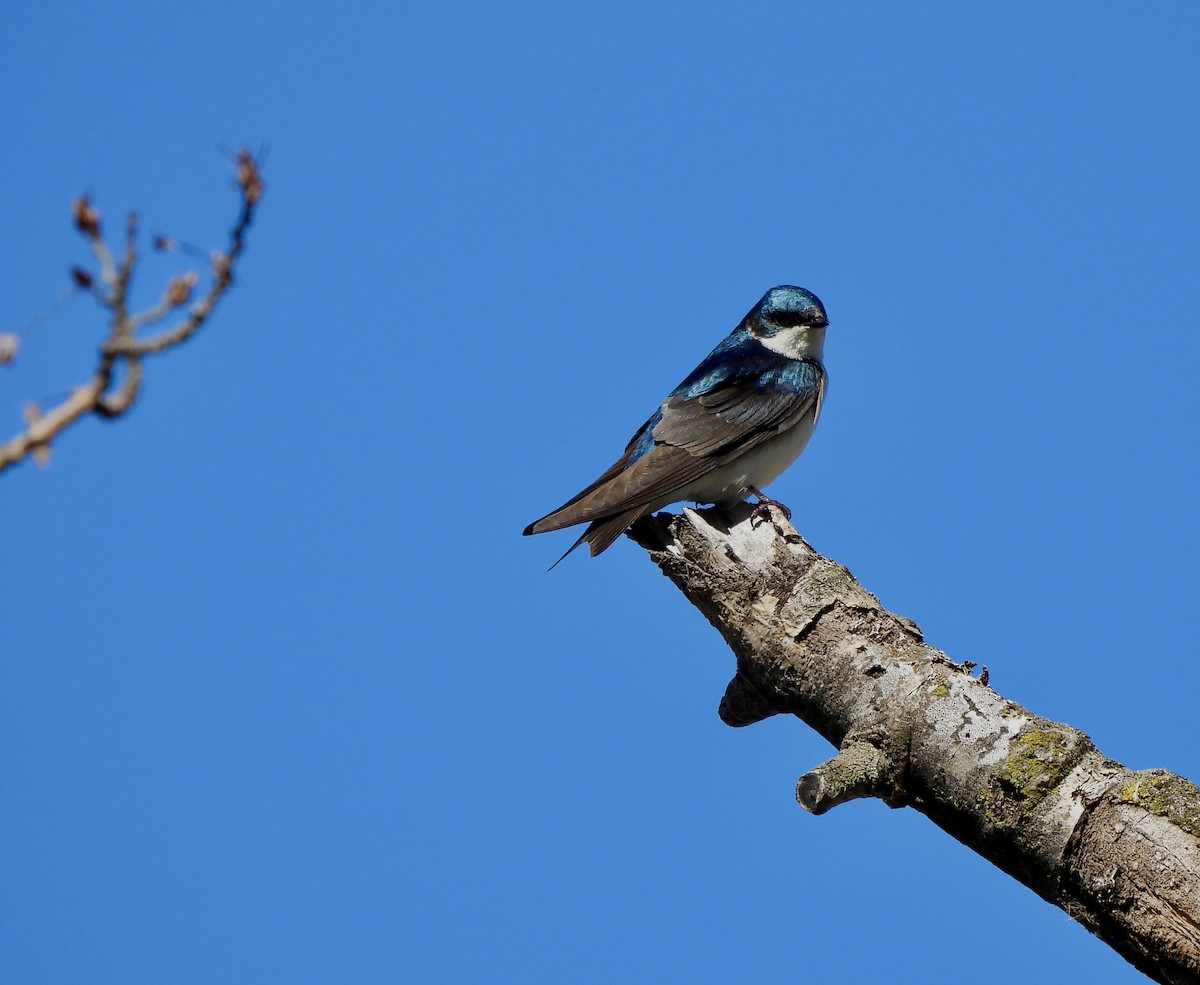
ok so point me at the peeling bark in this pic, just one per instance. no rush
(1118, 850)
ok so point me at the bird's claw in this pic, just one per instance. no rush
(762, 509)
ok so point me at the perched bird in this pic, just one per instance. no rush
(738, 420)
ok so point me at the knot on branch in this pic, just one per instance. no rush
(860, 769)
(745, 702)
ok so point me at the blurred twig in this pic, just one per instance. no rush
(114, 386)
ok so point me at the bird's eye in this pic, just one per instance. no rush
(788, 319)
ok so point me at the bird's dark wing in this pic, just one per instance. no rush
(692, 436)
(609, 473)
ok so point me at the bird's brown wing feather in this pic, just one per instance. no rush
(695, 436)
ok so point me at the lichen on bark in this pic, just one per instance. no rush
(1040, 757)
(1165, 795)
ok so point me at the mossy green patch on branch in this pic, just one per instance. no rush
(1039, 759)
(1163, 793)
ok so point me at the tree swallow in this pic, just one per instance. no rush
(738, 420)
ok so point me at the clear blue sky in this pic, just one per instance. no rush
(286, 697)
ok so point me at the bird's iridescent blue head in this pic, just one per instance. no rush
(789, 307)
(789, 320)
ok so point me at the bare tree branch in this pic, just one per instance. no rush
(121, 352)
(1117, 849)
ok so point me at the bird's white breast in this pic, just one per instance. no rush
(800, 342)
(759, 466)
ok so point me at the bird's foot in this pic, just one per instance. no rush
(762, 510)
